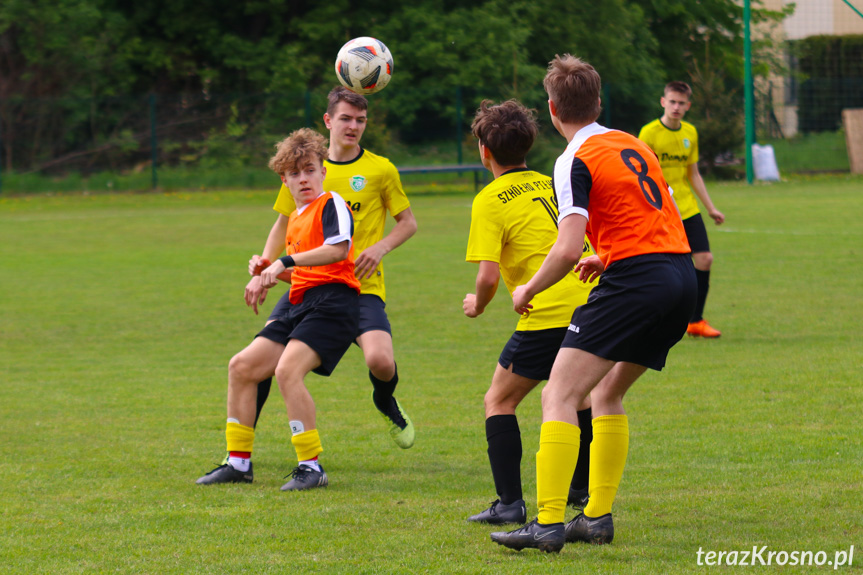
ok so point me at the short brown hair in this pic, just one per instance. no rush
(342, 94)
(507, 129)
(679, 87)
(300, 145)
(574, 87)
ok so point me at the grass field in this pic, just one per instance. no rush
(118, 314)
(811, 153)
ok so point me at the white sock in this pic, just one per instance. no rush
(240, 463)
(313, 463)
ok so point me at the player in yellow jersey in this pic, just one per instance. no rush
(675, 143)
(370, 184)
(513, 226)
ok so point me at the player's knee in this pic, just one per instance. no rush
(239, 368)
(606, 400)
(288, 376)
(550, 396)
(702, 260)
(381, 364)
(498, 404)
(491, 401)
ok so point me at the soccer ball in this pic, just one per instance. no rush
(364, 65)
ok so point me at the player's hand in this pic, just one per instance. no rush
(589, 268)
(255, 293)
(367, 262)
(253, 263)
(717, 216)
(270, 276)
(521, 300)
(469, 305)
(260, 264)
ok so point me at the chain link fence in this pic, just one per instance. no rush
(224, 140)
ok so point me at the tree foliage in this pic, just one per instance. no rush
(83, 51)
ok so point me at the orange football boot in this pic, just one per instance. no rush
(702, 329)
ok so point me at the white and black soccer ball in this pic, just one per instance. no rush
(364, 65)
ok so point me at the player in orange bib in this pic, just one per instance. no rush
(609, 185)
(313, 332)
(371, 185)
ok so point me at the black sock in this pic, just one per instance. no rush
(582, 467)
(703, 278)
(263, 394)
(384, 400)
(504, 454)
(384, 390)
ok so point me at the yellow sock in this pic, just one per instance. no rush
(240, 437)
(607, 460)
(555, 464)
(307, 444)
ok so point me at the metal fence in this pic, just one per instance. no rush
(150, 141)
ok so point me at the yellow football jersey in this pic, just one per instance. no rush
(371, 185)
(676, 150)
(514, 223)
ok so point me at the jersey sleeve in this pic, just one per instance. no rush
(285, 203)
(572, 184)
(486, 233)
(645, 136)
(693, 155)
(337, 222)
(395, 199)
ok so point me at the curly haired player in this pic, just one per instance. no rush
(317, 324)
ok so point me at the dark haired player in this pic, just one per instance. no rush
(513, 226)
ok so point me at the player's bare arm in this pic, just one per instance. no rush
(319, 256)
(368, 261)
(697, 183)
(564, 254)
(487, 279)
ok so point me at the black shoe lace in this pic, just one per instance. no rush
(300, 472)
(395, 414)
(528, 528)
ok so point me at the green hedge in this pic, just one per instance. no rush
(832, 79)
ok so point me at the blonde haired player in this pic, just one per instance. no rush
(371, 186)
(316, 328)
(675, 143)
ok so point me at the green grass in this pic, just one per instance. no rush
(119, 312)
(818, 152)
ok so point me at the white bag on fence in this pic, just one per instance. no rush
(764, 163)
